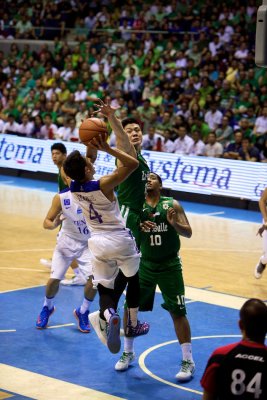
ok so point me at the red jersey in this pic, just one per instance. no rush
(237, 372)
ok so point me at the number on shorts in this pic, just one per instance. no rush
(94, 214)
(155, 240)
(238, 386)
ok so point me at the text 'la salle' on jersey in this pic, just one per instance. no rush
(74, 225)
(161, 242)
(101, 214)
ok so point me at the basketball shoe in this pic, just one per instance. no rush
(142, 328)
(186, 372)
(113, 334)
(76, 280)
(45, 262)
(83, 322)
(43, 317)
(259, 270)
(124, 362)
(100, 326)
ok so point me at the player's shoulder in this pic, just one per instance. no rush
(65, 190)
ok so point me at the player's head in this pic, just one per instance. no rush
(78, 168)
(133, 129)
(58, 153)
(154, 183)
(253, 320)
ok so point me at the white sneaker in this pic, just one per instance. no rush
(78, 280)
(259, 270)
(186, 372)
(45, 262)
(124, 362)
(100, 326)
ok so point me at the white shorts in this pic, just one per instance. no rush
(110, 252)
(67, 249)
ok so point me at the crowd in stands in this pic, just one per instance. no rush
(186, 70)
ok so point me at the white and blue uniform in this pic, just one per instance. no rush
(112, 244)
(72, 239)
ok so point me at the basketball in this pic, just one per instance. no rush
(90, 128)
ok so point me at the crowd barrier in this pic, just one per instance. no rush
(199, 175)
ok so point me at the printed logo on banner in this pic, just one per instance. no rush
(205, 175)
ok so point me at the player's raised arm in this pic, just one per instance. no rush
(127, 165)
(52, 219)
(122, 140)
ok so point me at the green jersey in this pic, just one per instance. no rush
(61, 184)
(162, 242)
(131, 193)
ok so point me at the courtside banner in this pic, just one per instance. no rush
(205, 175)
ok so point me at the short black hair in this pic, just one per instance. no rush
(253, 315)
(74, 166)
(127, 121)
(158, 177)
(60, 147)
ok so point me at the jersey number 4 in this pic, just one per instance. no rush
(94, 214)
(238, 386)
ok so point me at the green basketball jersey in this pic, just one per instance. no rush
(162, 242)
(131, 192)
(61, 184)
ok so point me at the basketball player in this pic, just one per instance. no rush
(59, 154)
(260, 267)
(131, 194)
(111, 244)
(164, 220)
(239, 370)
(72, 243)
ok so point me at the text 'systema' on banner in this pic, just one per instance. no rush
(204, 175)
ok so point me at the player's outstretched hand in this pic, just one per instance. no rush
(104, 108)
(99, 143)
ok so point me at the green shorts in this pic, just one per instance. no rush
(168, 276)
(132, 219)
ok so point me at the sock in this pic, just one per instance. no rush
(132, 316)
(49, 302)
(85, 305)
(128, 345)
(108, 313)
(187, 351)
(76, 271)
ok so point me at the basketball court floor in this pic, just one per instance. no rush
(63, 363)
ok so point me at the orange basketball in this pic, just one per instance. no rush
(90, 128)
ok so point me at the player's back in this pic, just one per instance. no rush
(74, 224)
(242, 371)
(101, 214)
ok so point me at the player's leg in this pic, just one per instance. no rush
(147, 281)
(59, 267)
(260, 267)
(171, 285)
(81, 313)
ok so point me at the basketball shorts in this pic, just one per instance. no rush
(111, 251)
(168, 276)
(67, 249)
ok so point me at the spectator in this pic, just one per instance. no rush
(225, 132)
(167, 144)
(198, 147)
(213, 148)
(132, 86)
(150, 139)
(232, 150)
(183, 143)
(48, 130)
(11, 126)
(213, 117)
(248, 152)
(26, 127)
(156, 98)
(239, 370)
(260, 128)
